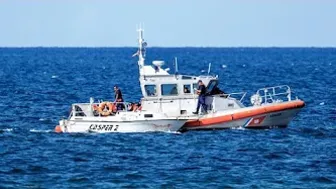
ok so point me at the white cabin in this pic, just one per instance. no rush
(173, 94)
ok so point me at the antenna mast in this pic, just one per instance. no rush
(209, 69)
(176, 66)
(142, 46)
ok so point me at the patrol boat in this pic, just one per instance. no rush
(174, 95)
(104, 117)
(84, 118)
(169, 101)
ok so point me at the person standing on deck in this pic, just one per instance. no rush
(201, 91)
(118, 98)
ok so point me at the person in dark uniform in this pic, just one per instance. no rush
(201, 91)
(118, 98)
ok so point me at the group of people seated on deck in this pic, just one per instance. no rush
(110, 108)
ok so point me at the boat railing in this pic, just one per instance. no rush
(238, 96)
(77, 109)
(275, 94)
(229, 96)
(242, 95)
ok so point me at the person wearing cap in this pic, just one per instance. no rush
(201, 91)
(118, 97)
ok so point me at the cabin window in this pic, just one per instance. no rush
(169, 89)
(150, 90)
(187, 89)
(195, 86)
(186, 77)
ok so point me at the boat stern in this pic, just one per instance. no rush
(61, 127)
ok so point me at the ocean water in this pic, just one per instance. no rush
(37, 86)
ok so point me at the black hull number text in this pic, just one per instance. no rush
(96, 127)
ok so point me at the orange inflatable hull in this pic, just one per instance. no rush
(262, 110)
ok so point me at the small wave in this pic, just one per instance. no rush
(78, 179)
(46, 120)
(54, 76)
(224, 66)
(41, 131)
(324, 179)
(174, 132)
(322, 103)
(16, 170)
(238, 128)
(6, 130)
(79, 159)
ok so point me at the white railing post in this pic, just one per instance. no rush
(213, 105)
(289, 96)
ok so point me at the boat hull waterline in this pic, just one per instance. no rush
(273, 115)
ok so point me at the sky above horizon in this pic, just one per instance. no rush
(168, 23)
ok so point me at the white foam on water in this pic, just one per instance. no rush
(54, 76)
(322, 103)
(238, 128)
(7, 130)
(174, 132)
(224, 66)
(42, 119)
(41, 131)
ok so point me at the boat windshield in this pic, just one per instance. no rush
(212, 85)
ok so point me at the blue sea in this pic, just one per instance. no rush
(38, 85)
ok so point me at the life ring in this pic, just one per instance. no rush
(104, 105)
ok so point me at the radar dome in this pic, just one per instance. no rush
(158, 63)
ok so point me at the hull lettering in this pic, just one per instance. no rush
(98, 127)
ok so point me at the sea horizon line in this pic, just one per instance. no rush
(214, 47)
